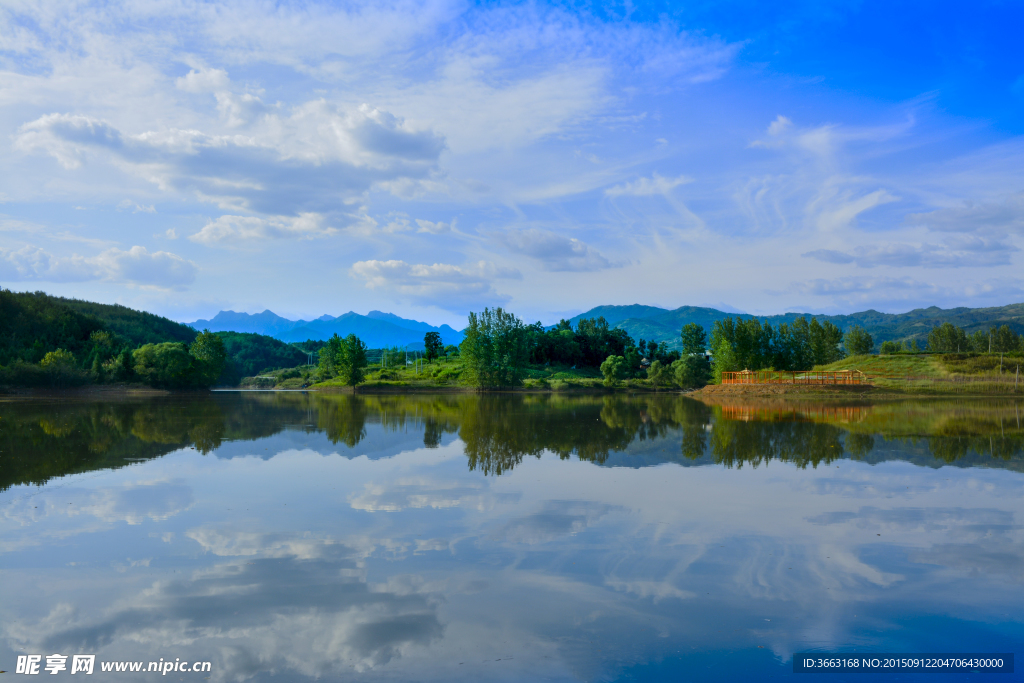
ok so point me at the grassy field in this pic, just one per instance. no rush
(968, 374)
(448, 374)
(920, 374)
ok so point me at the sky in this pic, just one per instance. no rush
(433, 157)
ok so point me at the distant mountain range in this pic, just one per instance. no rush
(663, 325)
(376, 329)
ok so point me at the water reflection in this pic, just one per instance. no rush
(41, 440)
(513, 538)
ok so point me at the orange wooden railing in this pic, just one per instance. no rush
(786, 377)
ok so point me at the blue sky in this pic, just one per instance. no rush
(434, 157)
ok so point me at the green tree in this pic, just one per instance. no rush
(632, 358)
(1004, 339)
(695, 339)
(494, 348)
(825, 341)
(692, 372)
(167, 365)
(660, 375)
(890, 347)
(210, 355)
(433, 345)
(948, 338)
(330, 357)
(352, 362)
(60, 366)
(857, 341)
(723, 348)
(121, 368)
(613, 369)
(451, 350)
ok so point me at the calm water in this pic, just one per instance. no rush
(286, 536)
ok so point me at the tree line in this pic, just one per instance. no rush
(800, 345)
(498, 346)
(166, 365)
(948, 338)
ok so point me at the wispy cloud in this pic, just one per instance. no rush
(137, 266)
(231, 230)
(990, 218)
(439, 284)
(555, 252)
(647, 187)
(962, 253)
(319, 158)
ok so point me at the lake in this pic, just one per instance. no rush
(288, 536)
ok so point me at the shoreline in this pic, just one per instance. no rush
(711, 392)
(92, 390)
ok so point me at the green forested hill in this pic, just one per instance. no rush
(250, 353)
(138, 327)
(32, 324)
(616, 314)
(648, 322)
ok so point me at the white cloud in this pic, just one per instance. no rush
(440, 284)
(229, 230)
(318, 159)
(813, 184)
(203, 81)
(836, 208)
(135, 207)
(554, 251)
(137, 265)
(432, 227)
(993, 218)
(419, 492)
(158, 269)
(826, 140)
(962, 253)
(648, 187)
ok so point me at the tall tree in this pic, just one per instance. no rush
(210, 355)
(433, 345)
(948, 338)
(695, 339)
(495, 348)
(330, 357)
(857, 341)
(352, 362)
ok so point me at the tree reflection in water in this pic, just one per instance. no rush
(42, 439)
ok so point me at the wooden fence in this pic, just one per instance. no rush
(786, 377)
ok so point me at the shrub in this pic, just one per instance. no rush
(23, 374)
(691, 372)
(167, 365)
(889, 348)
(613, 369)
(660, 375)
(60, 367)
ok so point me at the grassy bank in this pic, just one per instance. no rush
(445, 376)
(939, 374)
